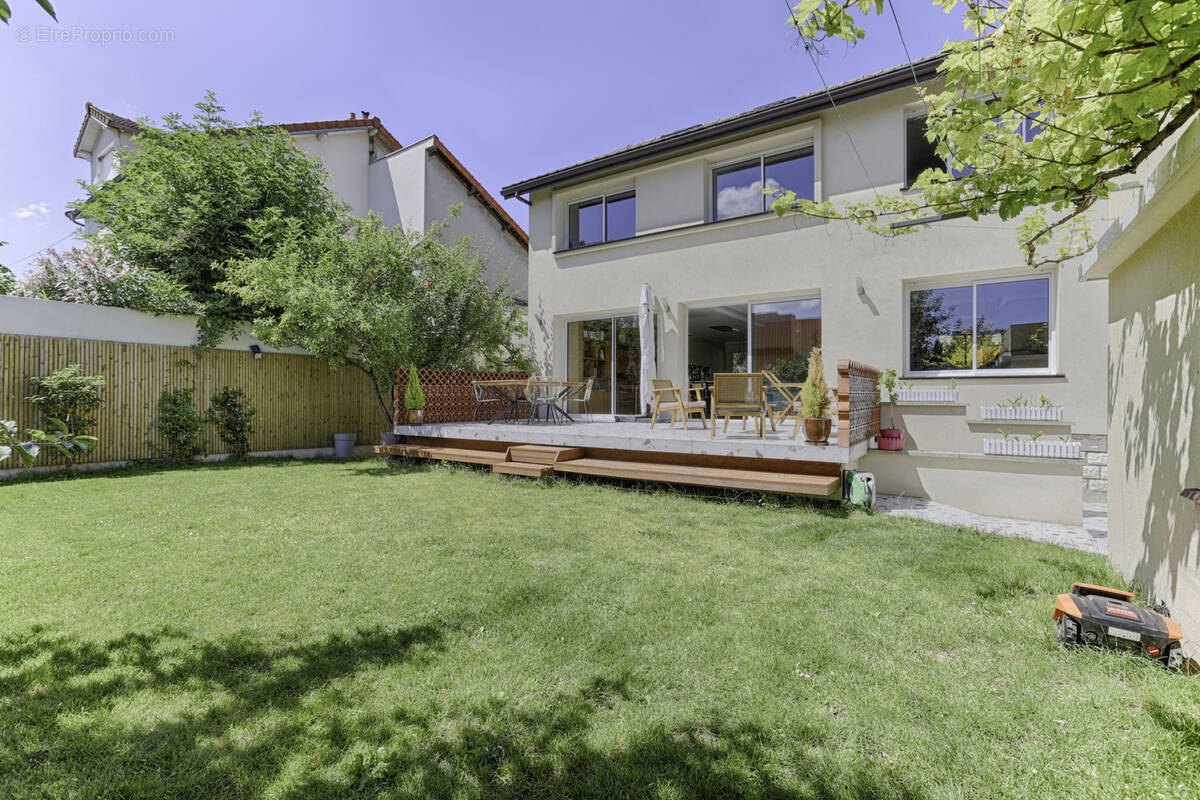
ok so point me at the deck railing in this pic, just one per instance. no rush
(857, 401)
(449, 396)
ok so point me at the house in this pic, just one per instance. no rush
(735, 288)
(1148, 257)
(411, 186)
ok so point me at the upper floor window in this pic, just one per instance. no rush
(738, 188)
(921, 154)
(602, 219)
(982, 326)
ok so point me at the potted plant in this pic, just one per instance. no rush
(814, 401)
(414, 399)
(889, 438)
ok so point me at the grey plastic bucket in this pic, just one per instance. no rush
(343, 444)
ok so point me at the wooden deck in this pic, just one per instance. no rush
(783, 476)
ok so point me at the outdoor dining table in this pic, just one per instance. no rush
(514, 394)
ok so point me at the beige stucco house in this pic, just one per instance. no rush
(951, 307)
(1150, 257)
(409, 185)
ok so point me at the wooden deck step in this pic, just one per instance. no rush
(785, 483)
(523, 468)
(459, 454)
(543, 454)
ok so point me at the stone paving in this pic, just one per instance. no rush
(1093, 539)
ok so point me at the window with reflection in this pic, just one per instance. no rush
(602, 219)
(980, 326)
(738, 189)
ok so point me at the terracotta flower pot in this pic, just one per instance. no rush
(816, 429)
(890, 439)
(416, 416)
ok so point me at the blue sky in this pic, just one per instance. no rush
(514, 88)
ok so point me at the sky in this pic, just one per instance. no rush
(513, 88)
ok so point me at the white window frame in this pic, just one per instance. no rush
(974, 283)
(807, 147)
(603, 197)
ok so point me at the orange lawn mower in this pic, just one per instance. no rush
(1098, 615)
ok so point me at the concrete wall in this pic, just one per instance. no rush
(397, 188)
(689, 261)
(345, 155)
(506, 257)
(1154, 441)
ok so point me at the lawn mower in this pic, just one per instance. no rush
(1101, 616)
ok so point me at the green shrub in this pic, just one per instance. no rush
(69, 396)
(180, 426)
(814, 394)
(234, 418)
(414, 398)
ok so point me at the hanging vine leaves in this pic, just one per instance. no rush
(1040, 109)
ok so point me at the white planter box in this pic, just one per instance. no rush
(1048, 413)
(926, 395)
(1025, 447)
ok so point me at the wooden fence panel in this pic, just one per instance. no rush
(300, 401)
(857, 401)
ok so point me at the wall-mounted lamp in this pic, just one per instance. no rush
(858, 286)
(256, 350)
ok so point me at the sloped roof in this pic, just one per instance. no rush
(125, 124)
(746, 122)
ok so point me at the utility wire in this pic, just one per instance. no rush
(808, 48)
(39, 251)
(912, 67)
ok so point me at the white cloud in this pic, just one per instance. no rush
(736, 201)
(33, 211)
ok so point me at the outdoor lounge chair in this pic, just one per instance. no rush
(669, 398)
(483, 398)
(790, 392)
(739, 394)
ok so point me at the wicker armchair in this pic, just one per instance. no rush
(668, 398)
(740, 394)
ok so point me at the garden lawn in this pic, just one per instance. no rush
(321, 630)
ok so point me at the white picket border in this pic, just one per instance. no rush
(1028, 447)
(927, 395)
(1047, 413)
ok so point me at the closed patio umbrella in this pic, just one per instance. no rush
(646, 334)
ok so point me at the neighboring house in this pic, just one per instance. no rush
(737, 288)
(412, 186)
(1150, 257)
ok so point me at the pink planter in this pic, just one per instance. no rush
(890, 439)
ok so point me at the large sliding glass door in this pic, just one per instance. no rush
(741, 337)
(607, 350)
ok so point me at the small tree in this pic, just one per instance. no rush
(179, 425)
(69, 396)
(814, 394)
(414, 398)
(376, 298)
(234, 418)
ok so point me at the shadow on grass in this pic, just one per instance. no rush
(162, 714)
(150, 467)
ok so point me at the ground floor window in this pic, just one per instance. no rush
(999, 324)
(746, 337)
(608, 350)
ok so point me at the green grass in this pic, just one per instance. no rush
(316, 630)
